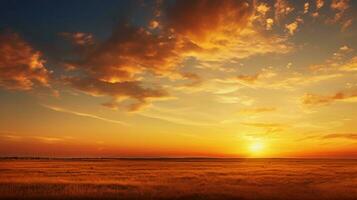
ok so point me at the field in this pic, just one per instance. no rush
(178, 179)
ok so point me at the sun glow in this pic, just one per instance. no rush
(256, 148)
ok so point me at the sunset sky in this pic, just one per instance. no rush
(178, 78)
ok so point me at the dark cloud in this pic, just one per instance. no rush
(21, 67)
(131, 50)
(112, 68)
(115, 66)
(118, 91)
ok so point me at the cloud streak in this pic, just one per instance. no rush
(63, 110)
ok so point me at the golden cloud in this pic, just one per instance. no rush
(269, 127)
(252, 111)
(350, 136)
(21, 67)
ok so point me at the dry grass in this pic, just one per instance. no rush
(179, 179)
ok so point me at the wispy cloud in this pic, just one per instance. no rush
(350, 136)
(63, 110)
(174, 119)
(252, 111)
(269, 127)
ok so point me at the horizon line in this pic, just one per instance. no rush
(170, 158)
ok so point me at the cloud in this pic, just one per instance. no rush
(292, 27)
(21, 67)
(63, 110)
(253, 79)
(263, 9)
(340, 7)
(114, 67)
(269, 24)
(118, 91)
(282, 8)
(319, 4)
(248, 78)
(350, 65)
(122, 62)
(252, 111)
(315, 100)
(350, 136)
(340, 61)
(79, 38)
(306, 7)
(131, 51)
(43, 139)
(269, 78)
(226, 30)
(346, 24)
(187, 18)
(269, 127)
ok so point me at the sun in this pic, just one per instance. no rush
(256, 147)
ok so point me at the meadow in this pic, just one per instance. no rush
(290, 179)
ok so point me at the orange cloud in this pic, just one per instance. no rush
(319, 4)
(248, 78)
(131, 53)
(255, 78)
(79, 38)
(21, 67)
(340, 7)
(198, 20)
(306, 7)
(350, 136)
(313, 99)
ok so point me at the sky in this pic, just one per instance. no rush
(206, 78)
